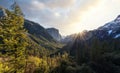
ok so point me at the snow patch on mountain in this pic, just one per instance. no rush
(110, 31)
(117, 36)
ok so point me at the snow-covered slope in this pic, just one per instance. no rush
(112, 28)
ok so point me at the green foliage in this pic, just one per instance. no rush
(64, 64)
(13, 44)
(40, 48)
(84, 68)
(35, 49)
(101, 54)
(70, 69)
(3, 67)
(37, 65)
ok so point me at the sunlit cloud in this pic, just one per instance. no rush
(37, 5)
(58, 3)
(62, 14)
(57, 14)
(69, 16)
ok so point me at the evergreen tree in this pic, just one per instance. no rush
(13, 43)
(16, 9)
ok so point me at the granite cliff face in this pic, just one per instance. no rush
(54, 33)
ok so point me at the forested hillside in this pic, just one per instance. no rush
(12, 42)
(22, 51)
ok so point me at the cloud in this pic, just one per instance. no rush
(56, 13)
(38, 5)
(59, 3)
(68, 14)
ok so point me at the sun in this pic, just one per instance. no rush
(78, 28)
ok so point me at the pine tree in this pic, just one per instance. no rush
(16, 9)
(13, 43)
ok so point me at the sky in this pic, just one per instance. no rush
(69, 16)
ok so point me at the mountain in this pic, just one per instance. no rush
(98, 49)
(37, 30)
(40, 42)
(68, 38)
(108, 34)
(54, 33)
(39, 39)
(111, 29)
(108, 31)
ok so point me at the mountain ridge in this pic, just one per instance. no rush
(37, 30)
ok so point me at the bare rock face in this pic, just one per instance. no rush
(54, 33)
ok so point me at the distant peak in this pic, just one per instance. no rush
(118, 18)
